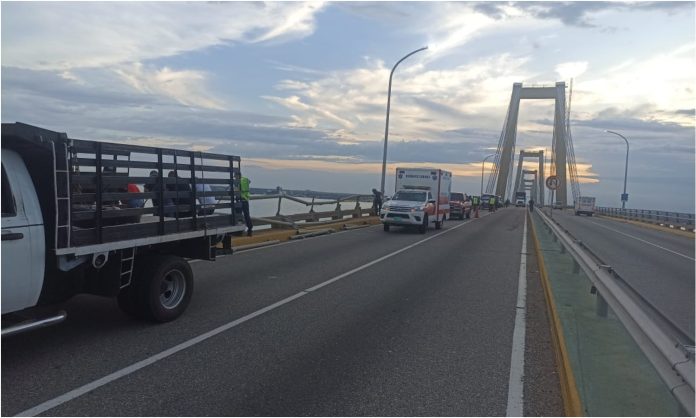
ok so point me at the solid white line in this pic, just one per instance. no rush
(515, 401)
(642, 240)
(75, 393)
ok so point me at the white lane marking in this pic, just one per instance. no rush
(75, 393)
(515, 401)
(642, 240)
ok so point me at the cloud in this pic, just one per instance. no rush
(568, 70)
(575, 13)
(186, 87)
(68, 35)
(425, 102)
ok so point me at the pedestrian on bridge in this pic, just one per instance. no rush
(491, 204)
(376, 201)
(244, 191)
(531, 205)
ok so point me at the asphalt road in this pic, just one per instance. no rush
(408, 327)
(658, 264)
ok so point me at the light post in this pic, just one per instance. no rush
(386, 128)
(482, 165)
(624, 196)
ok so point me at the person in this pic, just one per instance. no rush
(135, 202)
(507, 202)
(531, 205)
(184, 189)
(207, 202)
(154, 186)
(244, 191)
(475, 205)
(491, 204)
(376, 201)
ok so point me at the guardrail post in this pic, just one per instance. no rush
(357, 213)
(602, 306)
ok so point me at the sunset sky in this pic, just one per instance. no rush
(298, 90)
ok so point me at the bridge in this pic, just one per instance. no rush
(513, 313)
(467, 320)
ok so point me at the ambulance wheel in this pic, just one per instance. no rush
(424, 226)
(386, 227)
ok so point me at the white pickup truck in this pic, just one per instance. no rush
(421, 198)
(74, 220)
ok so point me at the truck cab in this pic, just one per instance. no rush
(409, 208)
(23, 241)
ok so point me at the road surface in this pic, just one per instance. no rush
(356, 323)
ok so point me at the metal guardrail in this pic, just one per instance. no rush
(667, 348)
(674, 219)
(312, 217)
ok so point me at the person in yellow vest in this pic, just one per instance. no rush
(491, 204)
(244, 190)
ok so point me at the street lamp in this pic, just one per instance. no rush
(386, 128)
(624, 196)
(482, 165)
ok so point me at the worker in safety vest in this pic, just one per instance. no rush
(491, 204)
(244, 190)
(475, 205)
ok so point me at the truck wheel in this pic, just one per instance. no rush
(424, 226)
(163, 288)
(386, 227)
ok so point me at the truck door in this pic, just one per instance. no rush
(23, 252)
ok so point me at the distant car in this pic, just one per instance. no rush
(460, 207)
(558, 205)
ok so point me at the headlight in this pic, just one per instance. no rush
(385, 207)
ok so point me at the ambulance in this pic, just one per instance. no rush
(421, 198)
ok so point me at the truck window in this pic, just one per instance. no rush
(8, 202)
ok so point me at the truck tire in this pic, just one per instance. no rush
(386, 227)
(163, 288)
(423, 228)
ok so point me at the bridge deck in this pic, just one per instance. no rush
(420, 330)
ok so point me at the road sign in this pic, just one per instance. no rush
(552, 182)
(624, 197)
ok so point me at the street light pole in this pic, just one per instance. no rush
(482, 165)
(624, 196)
(386, 128)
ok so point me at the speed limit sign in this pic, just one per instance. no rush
(552, 182)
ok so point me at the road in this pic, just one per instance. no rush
(369, 323)
(658, 264)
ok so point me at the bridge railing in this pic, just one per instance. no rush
(620, 354)
(672, 219)
(313, 217)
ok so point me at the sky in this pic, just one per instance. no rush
(299, 90)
